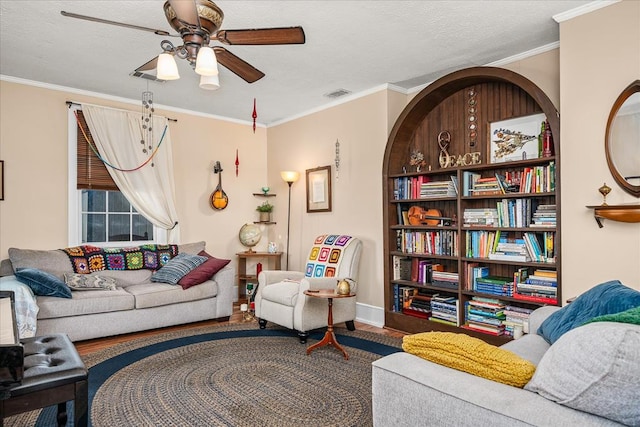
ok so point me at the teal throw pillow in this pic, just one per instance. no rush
(606, 298)
(43, 283)
(177, 267)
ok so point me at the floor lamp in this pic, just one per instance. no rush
(289, 177)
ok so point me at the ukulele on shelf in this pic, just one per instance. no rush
(219, 199)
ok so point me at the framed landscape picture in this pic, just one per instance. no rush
(515, 139)
(319, 189)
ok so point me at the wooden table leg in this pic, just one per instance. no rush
(329, 337)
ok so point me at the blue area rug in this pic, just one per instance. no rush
(234, 375)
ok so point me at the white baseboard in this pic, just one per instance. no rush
(369, 314)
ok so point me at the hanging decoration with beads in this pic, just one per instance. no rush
(337, 159)
(254, 115)
(472, 116)
(146, 139)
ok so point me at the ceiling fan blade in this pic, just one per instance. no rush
(119, 24)
(238, 66)
(186, 11)
(148, 66)
(288, 35)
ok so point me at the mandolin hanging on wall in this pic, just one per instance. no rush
(219, 199)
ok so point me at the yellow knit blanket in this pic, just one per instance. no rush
(472, 355)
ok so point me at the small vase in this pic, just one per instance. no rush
(265, 216)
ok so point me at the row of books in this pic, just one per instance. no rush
(494, 317)
(440, 242)
(421, 187)
(537, 179)
(517, 213)
(541, 286)
(497, 246)
(481, 314)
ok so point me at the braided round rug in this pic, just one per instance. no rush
(230, 375)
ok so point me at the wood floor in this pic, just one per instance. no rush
(90, 346)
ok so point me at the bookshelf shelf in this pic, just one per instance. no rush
(526, 192)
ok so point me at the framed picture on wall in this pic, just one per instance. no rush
(515, 139)
(319, 189)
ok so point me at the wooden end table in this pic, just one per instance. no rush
(329, 336)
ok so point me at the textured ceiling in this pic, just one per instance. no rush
(352, 45)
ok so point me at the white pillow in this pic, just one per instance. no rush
(594, 368)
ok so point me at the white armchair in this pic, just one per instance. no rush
(280, 295)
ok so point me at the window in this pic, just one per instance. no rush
(98, 212)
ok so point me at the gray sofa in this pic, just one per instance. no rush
(137, 303)
(409, 390)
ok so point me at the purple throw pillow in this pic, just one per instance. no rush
(203, 272)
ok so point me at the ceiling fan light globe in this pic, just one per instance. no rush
(206, 64)
(209, 82)
(167, 67)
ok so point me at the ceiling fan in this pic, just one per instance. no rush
(198, 23)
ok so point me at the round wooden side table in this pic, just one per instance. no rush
(329, 336)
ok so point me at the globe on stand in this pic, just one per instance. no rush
(250, 235)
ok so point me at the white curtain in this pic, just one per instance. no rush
(117, 135)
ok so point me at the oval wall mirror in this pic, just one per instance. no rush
(622, 139)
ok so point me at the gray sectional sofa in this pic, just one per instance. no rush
(595, 367)
(137, 303)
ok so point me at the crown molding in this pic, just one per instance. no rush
(582, 10)
(136, 102)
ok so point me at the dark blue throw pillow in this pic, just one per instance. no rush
(606, 298)
(43, 283)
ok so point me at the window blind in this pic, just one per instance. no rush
(92, 172)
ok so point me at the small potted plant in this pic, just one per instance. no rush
(265, 210)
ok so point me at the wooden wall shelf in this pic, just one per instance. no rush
(621, 213)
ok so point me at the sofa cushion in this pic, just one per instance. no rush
(191, 248)
(531, 347)
(43, 283)
(157, 294)
(204, 271)
(283, 293)
(125, 278)
(472, 355)
(594, 368)
(55, 262)
(89, 282)
(606, 298)
(177, 268)
(85, 303)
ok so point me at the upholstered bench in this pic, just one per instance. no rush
(53, 374)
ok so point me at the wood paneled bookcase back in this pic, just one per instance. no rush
(464, 207)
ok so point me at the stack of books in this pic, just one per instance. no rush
(438, 189)
(486, 186)
(510, 249)
(493, 285)
(482, 217)
(445, 310)
(420, 305)
(445, 279)
(544, 216)
(485, 315)
(516, 317)
(541, 286)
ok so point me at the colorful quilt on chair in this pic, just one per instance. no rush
(326, 255)
(86, 259)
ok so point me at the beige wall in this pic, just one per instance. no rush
(599, 57)
(33, 144)
(361, 126)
